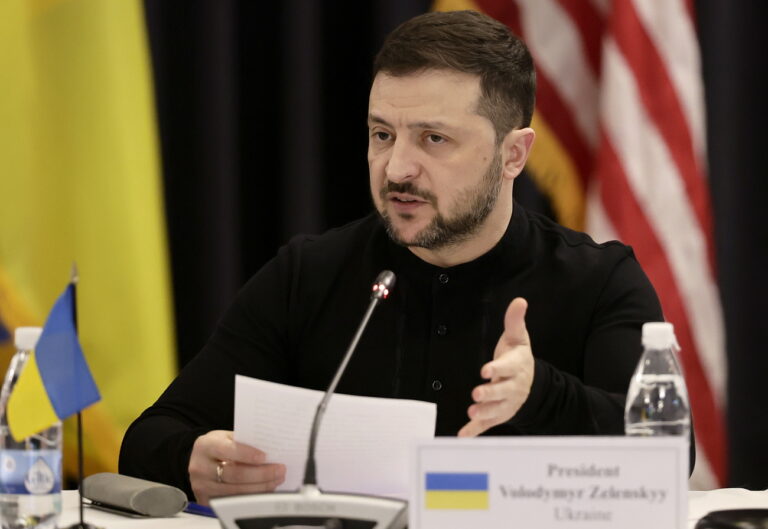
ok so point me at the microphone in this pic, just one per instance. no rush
(381, 287)
(310, 507)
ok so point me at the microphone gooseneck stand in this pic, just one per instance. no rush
(309, 506)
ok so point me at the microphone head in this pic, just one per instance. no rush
(385, 281)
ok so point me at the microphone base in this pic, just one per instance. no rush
(309, 507)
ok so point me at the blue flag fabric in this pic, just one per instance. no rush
(63, 369)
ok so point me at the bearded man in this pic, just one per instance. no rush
(510, 323)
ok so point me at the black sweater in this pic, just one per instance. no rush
(292, 322)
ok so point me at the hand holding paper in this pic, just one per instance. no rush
(220, 466)
(364, 442)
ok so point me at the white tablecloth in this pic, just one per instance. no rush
(699, 504)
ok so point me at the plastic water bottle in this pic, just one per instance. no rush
(657, 401)
(30, 470)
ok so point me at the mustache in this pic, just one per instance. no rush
(408, 188)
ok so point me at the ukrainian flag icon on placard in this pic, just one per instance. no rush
(456, 490)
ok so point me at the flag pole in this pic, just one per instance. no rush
(74, 277)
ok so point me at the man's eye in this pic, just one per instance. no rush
(435, 138)
(381, 136)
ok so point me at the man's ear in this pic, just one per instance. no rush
(515, 149)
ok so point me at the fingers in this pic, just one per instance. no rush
(219, 466)
(499, 400)
(510, 374)
(221, 445)
(507, 364)
(205, 489)
(486, 415)
(495, 403)
(513, 346)
(229, 489)
(240, 473)
(492, 411)
(474, 428)
(515, 332)
(496, 391)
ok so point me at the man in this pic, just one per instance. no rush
(449, 114)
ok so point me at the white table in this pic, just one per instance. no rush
(699, 504)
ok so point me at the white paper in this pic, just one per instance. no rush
(364, 443)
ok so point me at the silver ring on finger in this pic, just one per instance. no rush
(220, 471)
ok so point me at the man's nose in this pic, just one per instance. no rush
(403, 161)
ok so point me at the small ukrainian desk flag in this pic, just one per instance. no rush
(55, 382)
(457, 490)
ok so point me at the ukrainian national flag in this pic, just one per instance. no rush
(468, 491)
(80, 182)
(55, 382)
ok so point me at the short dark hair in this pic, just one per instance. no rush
(468, 42)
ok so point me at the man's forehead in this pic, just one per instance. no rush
(437, 123)
(431, 77)
(433, 95)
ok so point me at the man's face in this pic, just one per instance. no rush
(434, 167)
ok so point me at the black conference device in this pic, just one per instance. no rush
(735, 519)
(309, 506)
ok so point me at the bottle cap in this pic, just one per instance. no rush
(25, 338)
(659, 335)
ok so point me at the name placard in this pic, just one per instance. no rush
(550, 482)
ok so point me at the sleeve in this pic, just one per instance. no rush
(250, 339)
(561, 403)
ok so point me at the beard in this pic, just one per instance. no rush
(472, 207)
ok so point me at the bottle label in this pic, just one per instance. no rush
(30, 472)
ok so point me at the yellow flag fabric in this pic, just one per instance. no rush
(30, 396)
(79, 181)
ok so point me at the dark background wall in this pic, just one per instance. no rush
(734, 43)
(261, 108)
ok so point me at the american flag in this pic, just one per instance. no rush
(621, 153)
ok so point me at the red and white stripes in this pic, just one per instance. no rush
(650, 162)
(620, 89)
